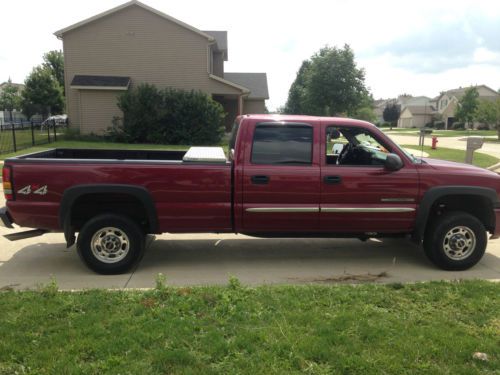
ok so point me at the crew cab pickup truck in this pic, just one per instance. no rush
(283, 176)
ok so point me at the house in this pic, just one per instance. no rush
(133, 43)
(403, 101)
(447, 101)
(416, 116)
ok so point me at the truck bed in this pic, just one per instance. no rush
(104, 154)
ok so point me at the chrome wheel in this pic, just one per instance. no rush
(459, 243)
(110, 245)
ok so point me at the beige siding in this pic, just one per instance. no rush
(136, 43)
(98, 109)
(405, 119)
(220, 88)
(254, 107)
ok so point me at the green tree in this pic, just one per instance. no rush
(391, 113)
(467, 106)
(296, 95)
(54, 61)
(42, 93)
(327, 84)
(488, 113)
(366, 111)
(10, 98)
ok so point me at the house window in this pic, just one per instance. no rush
(282, 144)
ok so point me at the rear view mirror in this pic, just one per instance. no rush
(393, 162)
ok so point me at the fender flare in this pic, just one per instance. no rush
(434, 193)
(71, 194)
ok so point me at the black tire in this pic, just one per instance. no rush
(455, 241)
(126, 244)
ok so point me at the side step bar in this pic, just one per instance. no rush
(26, 234)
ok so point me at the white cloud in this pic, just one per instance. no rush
(276, 36)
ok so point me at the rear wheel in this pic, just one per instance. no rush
(455, 241)
(110, 244)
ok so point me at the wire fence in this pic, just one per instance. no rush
(20, 135)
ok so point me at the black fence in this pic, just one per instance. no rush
(19, 135)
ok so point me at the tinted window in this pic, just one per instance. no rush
(282, 144)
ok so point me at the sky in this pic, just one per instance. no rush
(420, 47)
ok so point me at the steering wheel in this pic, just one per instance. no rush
(347, 148)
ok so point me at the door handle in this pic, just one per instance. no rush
(260, 180)
(332, 179)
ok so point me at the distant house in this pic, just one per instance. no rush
(133, 43)
(403, 101)
(447, 101)
(416, 116)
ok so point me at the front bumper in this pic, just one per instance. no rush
(5, 219)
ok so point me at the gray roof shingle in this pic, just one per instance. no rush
(103, 81)
(255, 82)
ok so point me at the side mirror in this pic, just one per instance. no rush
(393, 162)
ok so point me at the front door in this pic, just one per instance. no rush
(280, 186)
(357, 193)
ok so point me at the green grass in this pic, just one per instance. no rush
(425, 328)
(480, 160)
(442, 133)
(24, 139)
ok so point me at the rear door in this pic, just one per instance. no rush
(280, 186)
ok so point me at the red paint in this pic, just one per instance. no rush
(197, 197)
(434, 142)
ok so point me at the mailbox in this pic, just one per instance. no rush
(473, 143)
(422, 134)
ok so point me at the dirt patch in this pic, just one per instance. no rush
(345, 278)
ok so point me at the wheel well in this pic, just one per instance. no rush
(90, 205)
(475, 205)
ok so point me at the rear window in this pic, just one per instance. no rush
(282, 144)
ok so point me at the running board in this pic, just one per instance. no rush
(26, 234)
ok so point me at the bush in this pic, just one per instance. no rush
(483, 127)
(168, 116)
(439, 125)
(430, 125)
(458, 126)
(385, 125)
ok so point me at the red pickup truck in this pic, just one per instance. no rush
(286, 176)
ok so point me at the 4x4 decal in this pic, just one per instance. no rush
(33, 189)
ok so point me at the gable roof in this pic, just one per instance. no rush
(420, 109)
(220, 39)
(61, 32)
(458, 93)
(100, 82)
(255, 82)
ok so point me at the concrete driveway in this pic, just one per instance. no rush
(211, 259)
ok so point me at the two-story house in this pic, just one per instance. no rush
(133, 43)
(447, 101)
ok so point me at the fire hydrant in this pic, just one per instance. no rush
(434, 142)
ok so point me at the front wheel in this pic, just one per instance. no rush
(455, 241)
(110, 244)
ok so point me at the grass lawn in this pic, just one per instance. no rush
(443, 133)
(363, 329)
(481, 160)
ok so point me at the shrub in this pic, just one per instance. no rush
(439, 125)
(168, 116)
(385, 125)
(430, 125)
(483, 127)
(458, 126)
